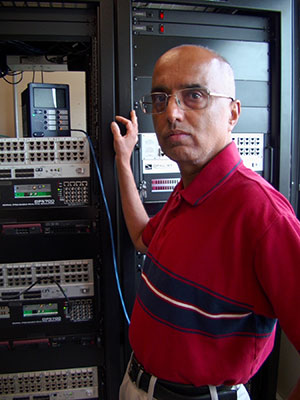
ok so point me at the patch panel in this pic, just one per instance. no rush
(80, 310)
(39, 148)
(44, 157)
(251, 149)
(50, 278)
(60, 384)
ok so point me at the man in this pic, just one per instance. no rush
(222, 255)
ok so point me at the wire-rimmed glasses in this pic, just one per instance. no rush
(195, 98)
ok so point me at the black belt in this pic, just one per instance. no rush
(165, 390)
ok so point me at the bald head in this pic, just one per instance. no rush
(217, 72)
(189, 135)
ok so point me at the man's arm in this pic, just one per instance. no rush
(134, 212)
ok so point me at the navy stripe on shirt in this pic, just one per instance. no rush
(190, 308)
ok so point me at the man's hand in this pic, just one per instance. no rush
(135, 215)
(124, 145)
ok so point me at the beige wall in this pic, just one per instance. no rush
(76, 80)
(7, 126)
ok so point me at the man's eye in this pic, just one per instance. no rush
(158, 98)
(194, 94)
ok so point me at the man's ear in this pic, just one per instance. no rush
(235, 113)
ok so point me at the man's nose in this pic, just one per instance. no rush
(173, 110)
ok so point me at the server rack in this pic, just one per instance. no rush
(61, 336)
(242, 33)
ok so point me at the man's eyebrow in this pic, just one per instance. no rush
(159, 89)
(165, 89)
(194, 85)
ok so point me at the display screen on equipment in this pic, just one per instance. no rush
(49, 97)
(33, 310)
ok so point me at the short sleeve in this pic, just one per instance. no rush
(151, 228)
(277, 264)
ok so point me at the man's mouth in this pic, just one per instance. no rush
(177, 134)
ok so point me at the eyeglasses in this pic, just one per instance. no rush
(187, 99)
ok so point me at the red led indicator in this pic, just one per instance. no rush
(161, 28)
(161, 15)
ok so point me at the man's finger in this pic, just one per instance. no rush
(115, 128)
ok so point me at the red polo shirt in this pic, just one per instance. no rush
(223, 264)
